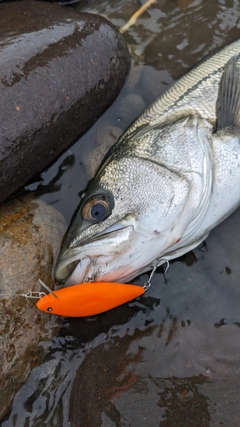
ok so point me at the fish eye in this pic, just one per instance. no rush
(97, 208)
(49, 309)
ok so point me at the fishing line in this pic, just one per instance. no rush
(31, 294)
(27, 295)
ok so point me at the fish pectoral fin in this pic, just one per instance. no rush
(228, 102)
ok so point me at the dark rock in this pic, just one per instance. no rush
(59, 71)
(30, 237)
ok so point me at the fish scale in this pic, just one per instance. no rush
(167, 182)
(188, 94)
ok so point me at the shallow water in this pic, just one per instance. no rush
(171, 358)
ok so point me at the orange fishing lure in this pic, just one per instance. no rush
(88, 299)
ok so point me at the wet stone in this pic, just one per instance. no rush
(30, 237)
(59, 71)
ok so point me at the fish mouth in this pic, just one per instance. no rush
(95, 258)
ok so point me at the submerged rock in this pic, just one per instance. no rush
(59, 71)
(30, 237)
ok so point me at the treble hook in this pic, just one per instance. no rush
(147, 284)
(162, 261)
(93, 272)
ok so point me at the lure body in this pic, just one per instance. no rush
(88, 299)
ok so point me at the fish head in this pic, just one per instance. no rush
(128, 218)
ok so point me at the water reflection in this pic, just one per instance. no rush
(172, 357)
(151, 377)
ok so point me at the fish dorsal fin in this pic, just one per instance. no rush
(228, 102)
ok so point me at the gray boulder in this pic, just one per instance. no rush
(30, 237)
(59, 71)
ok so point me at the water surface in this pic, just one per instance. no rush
(171, 358)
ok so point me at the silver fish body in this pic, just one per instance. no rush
(170, 178)
(195, 93)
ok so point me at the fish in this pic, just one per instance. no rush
(88, 299)
(170, 179)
